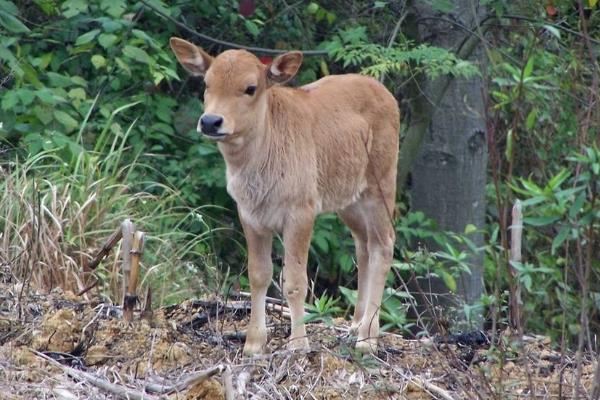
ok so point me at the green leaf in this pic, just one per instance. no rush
(137, 54)
(449, 280)
(123, 66)
(470, 228)
(46, 96)
(106, 40)
(528, 70)
(111, 25)
(72, 8)
(79, 81)
(26, 96)
(444, 6)
(563, 233)
(114, 8)
(69, 122)
(252, 28)
(11, 23)
(44, 114)
(9, 100)
(49, 7)
(9, 7)
(145, 37)
(540, 221)
(558, 179)
(321, 243)
(553, 30)
(531, 119)
(58, 80)
(77, 93)
(350, 295)
(98, 61)
(577, 204)
(87, 37)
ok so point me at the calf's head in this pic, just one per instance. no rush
(235, 98)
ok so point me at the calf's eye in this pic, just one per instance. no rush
(250, 90)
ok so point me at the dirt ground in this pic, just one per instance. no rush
(90, 341)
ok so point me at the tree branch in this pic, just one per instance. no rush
(225, 43)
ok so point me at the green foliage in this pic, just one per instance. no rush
(352, 48)
(323, 309)
(543, 153)
(560, 220)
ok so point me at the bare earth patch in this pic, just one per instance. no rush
(200, 334)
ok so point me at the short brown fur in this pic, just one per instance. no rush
(292, 153)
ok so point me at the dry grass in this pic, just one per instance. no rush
(54, 216)
(197, 335)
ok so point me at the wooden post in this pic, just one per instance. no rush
(127, 229)
(147, 312)
(130, 296)
(516, 234)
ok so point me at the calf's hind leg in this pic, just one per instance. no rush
(380, 248)
(352, 216)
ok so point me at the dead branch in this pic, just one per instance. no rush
(430, 387)
(88, 287)
(116, 389)
(64, 394)
(111, 242)
(271, 300)
(191, 380)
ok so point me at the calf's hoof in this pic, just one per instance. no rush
(366, 346)
(255, 344)
(252, 349)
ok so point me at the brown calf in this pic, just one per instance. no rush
(292, 153)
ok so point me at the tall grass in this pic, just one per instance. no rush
(57, 208)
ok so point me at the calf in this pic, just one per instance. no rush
(292, 153)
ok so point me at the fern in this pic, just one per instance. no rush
(351, 47)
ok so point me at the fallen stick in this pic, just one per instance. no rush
(430, 387)
(191, 380)
(118, 390)
(272, 300)
(64, 394)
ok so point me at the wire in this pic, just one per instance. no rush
(226, 43)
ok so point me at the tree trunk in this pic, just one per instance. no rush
(449, 172)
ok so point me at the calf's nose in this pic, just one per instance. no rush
(210, 123)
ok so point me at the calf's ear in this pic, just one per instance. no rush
(284, 67)
(195, 60)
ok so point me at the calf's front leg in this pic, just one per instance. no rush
(260, 272)
(297, 233)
